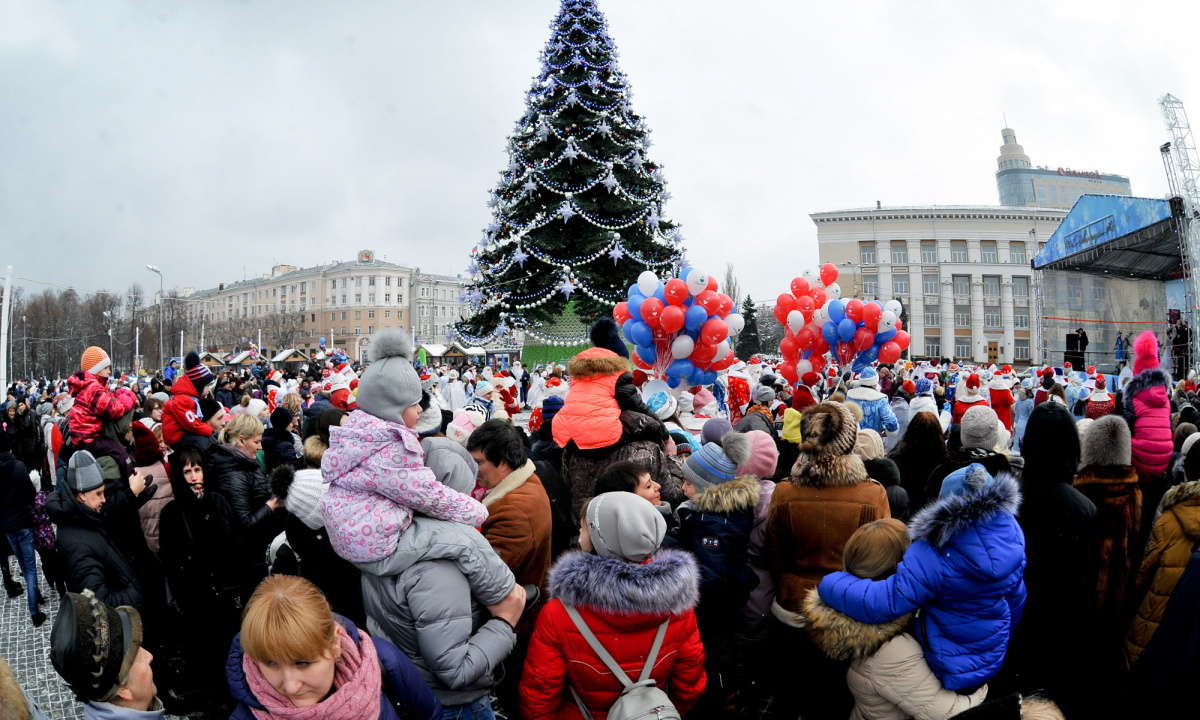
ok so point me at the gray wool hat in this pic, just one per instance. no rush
(390, 384)
(764, 395)
(623, 525)
(83, 472)
(451, 463)
(979, 428)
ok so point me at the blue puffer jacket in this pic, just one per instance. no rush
(877, 410)
(964, 570)
(406, 683)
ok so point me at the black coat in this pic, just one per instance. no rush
(91, 561)
(16, 495)
(1161, 682)
(885, 472)
(243, 482)
(279, 448)
(206, 565)
(319, 564)
(311, 413)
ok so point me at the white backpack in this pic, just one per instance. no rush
(639, 700)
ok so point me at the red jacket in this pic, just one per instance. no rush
(962, 406)
(93, 405)
(182, 413)
(623, 603)
(1002, 402)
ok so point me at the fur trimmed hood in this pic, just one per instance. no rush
(1147, 379)
(669, 583)
(841, 637)
(945, 517)
(864, 394)
(738, 495)
(1181, 493)
(597, 362)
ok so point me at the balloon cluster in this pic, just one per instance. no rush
(819, 321)
(680, 328)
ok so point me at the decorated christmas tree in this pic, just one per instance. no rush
(578, 213)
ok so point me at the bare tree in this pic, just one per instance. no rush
(732, 288)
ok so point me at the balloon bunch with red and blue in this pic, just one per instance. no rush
(680, 328)
(818, 321)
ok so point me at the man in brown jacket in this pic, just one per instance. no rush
(518, 528)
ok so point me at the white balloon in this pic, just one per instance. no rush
(894, 306)
(888, 321)
(697, 281)
(803, 366)
(722, 350)
(682, 347)
(795, 321)
(834, 291)
(813, 278)
(821, 316)
(735, 322)
(647, 283)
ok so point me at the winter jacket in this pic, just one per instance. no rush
(801, 549)
(601, 388)
(24, 435)
(877, 410)
(900, 408)
(922, 403)
(181, 414)
(93, 405)
(888, 674)
(715, 526)
(964, 569)
(338, 579)
(887, 473)
(1171, 545)
(623, 604)
(518, 528)
(759, 605)
(377, 480)
(963, 404)
(150, 512)
(1114, 490)
(279, 448)
(1002, 401)
(16, 495)
(1021, 412)
(90, 560)
(243, 482)
(1162, 681)
(429, 597)
(1148, 412)
(644, 446)
(398, 671)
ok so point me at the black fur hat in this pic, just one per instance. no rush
(606, 334)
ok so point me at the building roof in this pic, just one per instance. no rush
(940, 212)
(290, 355)
(1115, 235)
(303, 273)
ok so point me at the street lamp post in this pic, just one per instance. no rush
(25, 346)
(108, 321)
(158, 272)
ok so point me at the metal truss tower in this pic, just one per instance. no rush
(1182, 165)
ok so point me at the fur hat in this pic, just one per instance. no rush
(623, 525)
(1145, 352)
(979, 428)
(714, 464)
(93, 646)
(94, 360)
(828, 429)
(606, 334)
(1107, 442)
(763, 456)
(390, 384)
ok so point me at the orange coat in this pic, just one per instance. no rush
(590, 415)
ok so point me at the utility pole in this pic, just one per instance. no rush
(25, 346)
(158, 272)
(4, 339)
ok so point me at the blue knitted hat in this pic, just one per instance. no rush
(713, 464)
(965, 481)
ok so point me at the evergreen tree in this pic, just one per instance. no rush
(578, 212)
(748, 341)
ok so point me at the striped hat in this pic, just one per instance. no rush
(714, 464)
(196, 371)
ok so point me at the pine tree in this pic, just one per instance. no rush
(748, 341)
(578, 213)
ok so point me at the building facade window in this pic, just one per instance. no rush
(933, 316)
(899, 253)
(962, 285)
(900, 284)
(962, 347)
(870, 285)
(1020, 286)
(1016, 253)
(387, 314)
(931, 284)
(358, 298)
(1021, 349)
(1021, 318)
(343, 314)
(370, 329)
(371, 298)
(370, 314)
(962, 316)
(958, 251)
(371, 281)
(991, 285)
(358, 331)
(866, 253)
(991, 317)
(933, 346)
(928, 253)
(988, 252)
(358, 314)
(387, 298)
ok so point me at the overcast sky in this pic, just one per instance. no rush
(215, 138)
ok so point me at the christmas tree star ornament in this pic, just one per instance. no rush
(567, 287)
(566, 211)
(616, 253)
(520, 256)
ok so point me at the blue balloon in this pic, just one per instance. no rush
(829, 331)
(673, 381)
(836, 310)
(627, 329)
(647, 353)
(846, 329)
(859, 365)
(683, 274)
(641, 335)
(635, 306)
(871, 354)
(634, 292)
(881, 338)
(681, 368)
(695, 318)
(697, 377)
(710, 377)
(661, 292)
(735, 309)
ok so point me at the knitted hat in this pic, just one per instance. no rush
(94, 360)
(482, 388)
(93, 646)
(451, 463)
(255, 407)
(791, 426)
(281, 418)
(764, 395)
(429, 422)
(663, 404)
(763, 456)
(1188, 443)
(909, 387)
(199, 374)
(869, 444)
(64, 406)
(390, 384)
(1047, 381)
(1145, 352)
(703, 400)
(868, 377)
(623, 525)
(924, 386)
(550, 407)
(210, 408)
(464, 423)
(966, 481)
(145, 446)
(303, 498)
(83, 472)
(714, 464)
(979, 428)
(714, 430)
(686, 404)
(607, 334)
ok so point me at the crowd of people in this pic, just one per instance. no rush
(925, 540)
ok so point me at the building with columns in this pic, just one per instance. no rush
(962, 273)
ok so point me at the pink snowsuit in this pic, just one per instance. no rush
(377, 480)
(1148, 405)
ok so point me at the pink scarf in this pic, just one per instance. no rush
(357, 679)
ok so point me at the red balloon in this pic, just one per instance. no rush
(712, 284)
(714, 331)
(671, 318)
(854, 311)
(806, 305)
(899, 324)
(902, 339)
(829, 274)
(652, 307)
(640, 362)
(871, 314)
(621, 313)
(789, 350)
(784, 302)
(863, 339)
(788, 371)
(660, 334)
(818, 362)
(818, 296)
(724, 364)
(889, 352)
(676, 291)
(820, 347)
(703, 352)
(799, 287)
(725, 306)
(845, 351)
(709, 300)
(805, 338)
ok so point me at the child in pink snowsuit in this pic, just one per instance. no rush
(1148, 410)
(375, 465)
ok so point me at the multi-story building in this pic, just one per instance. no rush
(962, 273)
(343, 302)
(1022, 184)
(436, 304)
